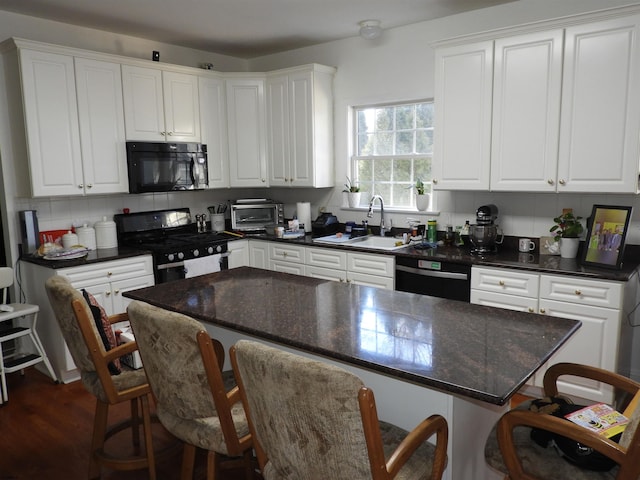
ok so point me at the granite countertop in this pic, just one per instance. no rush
(94, 256)
(480, 352)
(506, 257)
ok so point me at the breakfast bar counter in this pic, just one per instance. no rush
(484, 353)
(421, 355)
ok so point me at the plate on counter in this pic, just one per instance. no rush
(67, 254)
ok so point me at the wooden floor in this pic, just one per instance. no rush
(45, 432)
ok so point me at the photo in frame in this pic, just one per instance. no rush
(605, 242)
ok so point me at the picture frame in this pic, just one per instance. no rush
(606, 235)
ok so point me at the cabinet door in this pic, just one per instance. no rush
(51, 116)
(213, 129)
(143, 104)
(238, 253)
(463, 92)
(595, 343)
(101, 113)
(246, 124)
(259, 254)
(278, 140)
(526, 112)
(600, 108)
(304, 161)
(102, 293)
(181, 107)
(118, 289)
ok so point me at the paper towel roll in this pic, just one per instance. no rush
(303, 211)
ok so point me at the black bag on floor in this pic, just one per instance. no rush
(574, 452)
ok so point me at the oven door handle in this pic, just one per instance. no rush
(167, 266)
(433, 273)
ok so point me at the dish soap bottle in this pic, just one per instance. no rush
(432, 233)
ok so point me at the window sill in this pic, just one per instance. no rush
(431, 213)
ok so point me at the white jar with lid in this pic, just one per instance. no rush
(69, 239)
(106, 235)
(86, 236)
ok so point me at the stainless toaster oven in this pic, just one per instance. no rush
(255, 215)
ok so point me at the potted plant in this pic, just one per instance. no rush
(567, 230)
(422, 198)
(353, 193)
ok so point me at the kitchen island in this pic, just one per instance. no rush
(421, 355)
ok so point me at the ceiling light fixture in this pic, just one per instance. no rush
(370, 29)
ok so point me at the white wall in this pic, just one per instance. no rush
(400, 66)
(397, 66)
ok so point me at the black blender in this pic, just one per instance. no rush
(483, 235)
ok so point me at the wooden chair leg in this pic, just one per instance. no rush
(249, 470)
(97, 441)
(135, 425)
(188, 459)
(212, 465)
(148, 436)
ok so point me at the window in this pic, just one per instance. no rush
(393, 146)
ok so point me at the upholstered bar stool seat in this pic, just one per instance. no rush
(313, 420)
(510, 449)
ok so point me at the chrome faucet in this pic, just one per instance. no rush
(370, 212)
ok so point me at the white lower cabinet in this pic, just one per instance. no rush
(368, 269)
(106, 281)
(598, 304)
(286, 258)
(238, 253)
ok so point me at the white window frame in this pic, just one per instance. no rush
(399, 184)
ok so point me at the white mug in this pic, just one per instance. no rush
(526, 245)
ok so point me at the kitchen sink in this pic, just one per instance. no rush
(370, 241)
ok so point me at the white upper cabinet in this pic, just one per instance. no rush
(101, 114)
(160, 105)
(213, 126)
(526, 111)
(51, 122)
(246, 123)
(541, 111)
(463, 92)
(600, 120)
(300, 127)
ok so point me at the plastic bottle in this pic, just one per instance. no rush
(432, 233)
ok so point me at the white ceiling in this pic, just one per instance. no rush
(241, 28)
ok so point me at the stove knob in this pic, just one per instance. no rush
(210, 250)
(180, 255)
(196, 252)
(170, 257)
(218, 248)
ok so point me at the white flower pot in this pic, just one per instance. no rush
(422, 202)
(354, 199)
(569, 247)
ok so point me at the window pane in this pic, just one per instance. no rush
(363, 124)
(384, 144)
(384, 119)
(424, 115)
(383, 169)
(424, 141)
(402, 170)
(401, 196)
(365, 145)
(365, 171)
(404, 117)
(404, 145)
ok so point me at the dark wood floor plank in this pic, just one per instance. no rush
(46, 432)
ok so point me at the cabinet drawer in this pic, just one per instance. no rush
(598, 293)
(367, 280)
(505, 281)
(289, 253)
(325, 257)
(381, 265)
(337, 275)
(287, 267)
(501, 300)
(111, 271)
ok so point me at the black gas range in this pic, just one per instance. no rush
(172, 238)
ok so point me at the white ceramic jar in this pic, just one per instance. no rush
(69, 239)
(106, 235)
(86, 236)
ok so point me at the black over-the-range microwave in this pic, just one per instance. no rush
(166, 167)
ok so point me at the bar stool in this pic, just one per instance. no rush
(18, 361)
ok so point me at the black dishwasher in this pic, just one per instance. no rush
(434, 278)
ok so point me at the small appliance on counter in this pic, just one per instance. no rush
(325, 224)
(483, 235)
(256, 214)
